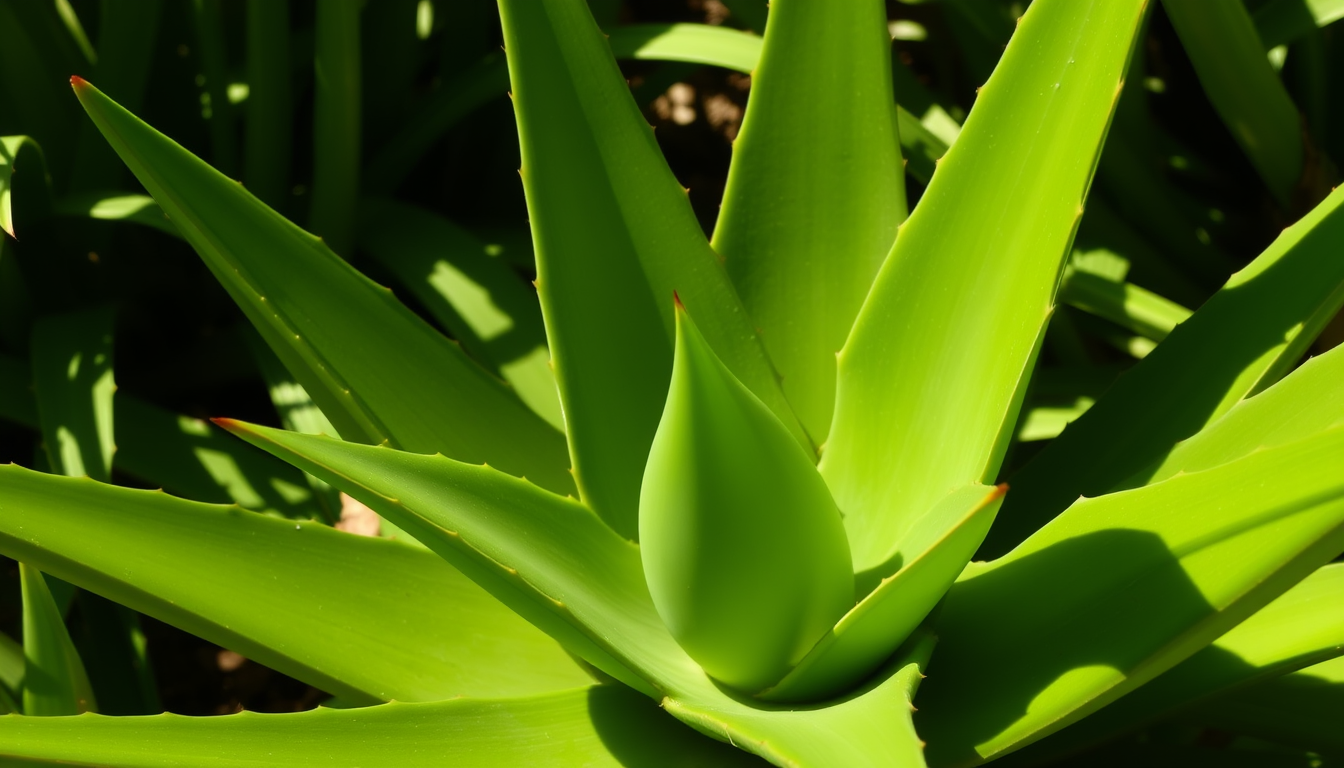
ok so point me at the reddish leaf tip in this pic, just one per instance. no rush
(78, 82)
(676, 299)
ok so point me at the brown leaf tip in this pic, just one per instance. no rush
(78, 82)
(676, 299)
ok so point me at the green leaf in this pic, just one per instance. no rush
(1283, 21)
(269, 119)
(1302, 627)
(54, 681)
(814, 196)
(1119, 589)
(1125, 304)
(1239, 343)
(330, 325)
(744, 552)
(1229, 59)
(72, 376)
(11, 671)
(336, 123)
(139, 209)
(1307, 401)
(599, 726)
(181, 454)
(932, 376)
(364, 618)
(9, 151)
(752, 13)
(471, 291)
(691, 43)
(1299, 709)
(615, 236)
(555, 563)
(934, 554)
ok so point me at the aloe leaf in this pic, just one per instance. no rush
(246, 582)
(330, 325)
(1118, 589)
(9, 151)
(470, 291)
(113, 206)
(1300, 709)
(1125, 304)
(37, 53)
(1300, 628)
(267, 151)
(813, 196)
(1303, 403)
(1244, 89)
(936, 551)
(743, 549)
(11, 672)
(208, 19)
(615, 236)
(72, 376)
(54, 680)
(751, 13)
(336, 123)
(555, 563)
(1238, 343)
(598, 726)
(1006, 199)
(1283, 21)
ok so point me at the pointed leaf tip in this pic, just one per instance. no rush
(676, 299)
(78, 83)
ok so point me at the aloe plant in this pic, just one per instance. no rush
(737, 514)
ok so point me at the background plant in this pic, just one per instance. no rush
(1171, 220)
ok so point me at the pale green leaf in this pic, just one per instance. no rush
(364, 618)
(139, 209)
(1302, 627)
(932, 376)
(814, 195)
(1119, 589)
(615, 236)
(378, 371)
(54, 680)
(599, 726)
(1238, 343)
(555, 563)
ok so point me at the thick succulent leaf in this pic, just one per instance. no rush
(743, 549)
(181, 454)
(367, 619)
(595, 726)
(54, 680)
(336, 122)
(1300, 709)
(1306, 401)
(555, 563)
(1283, 21)
(1229, 60)
(615, 236)
(935, 553)
(72, 379)
(1239, 342)
(471, 291)
(1125, 304)
(691, 43)
(1302, 627)
(9, 151)
(378, 371)
(1119, 589)
(933, 373)
(11, 671)
(814, 195)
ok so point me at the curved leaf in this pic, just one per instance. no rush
(54, 680)
(1239, 342)
(932, 376)
(363, 618)
(9, 151)
(555, 563)
(814, 195)
(1300, 709)
(615, 236)
(1024, 652)
(600, 726)
(378, 371)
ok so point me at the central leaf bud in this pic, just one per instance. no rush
(744, 550)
